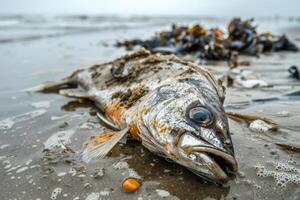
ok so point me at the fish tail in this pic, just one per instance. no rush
(51, 86)
(54, 86)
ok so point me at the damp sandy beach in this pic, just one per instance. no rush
(35, 49)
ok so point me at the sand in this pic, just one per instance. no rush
(32, 53)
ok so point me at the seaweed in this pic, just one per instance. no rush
(294, 72)
(214, 44)
(288, 147)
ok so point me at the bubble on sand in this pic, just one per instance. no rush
(282, 174)
(61, 174)
(93, 196)
(55, 193)
(7, 166)
(22, 169)
(8, 123)
(121, 165)
(89, 125)
(4, 146)
(104, 192)
(13, 168)
(133, 173)
(162, 193)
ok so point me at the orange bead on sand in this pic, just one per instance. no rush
(131, 185)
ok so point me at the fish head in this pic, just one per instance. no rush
(188, 125)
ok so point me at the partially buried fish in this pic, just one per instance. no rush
(175, 108)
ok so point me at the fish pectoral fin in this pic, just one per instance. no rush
(101, 144)
(107, 123)
(75, 93)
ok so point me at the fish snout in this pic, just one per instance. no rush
(219, 164)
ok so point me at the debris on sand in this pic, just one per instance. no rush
(58, 155)
(288, 147)
(294, 72)
(214, 44)
(59, 139)
(98, 173)
(162, 193)
(260, 126)
(255, 123)
(131, 185)
(241, 78)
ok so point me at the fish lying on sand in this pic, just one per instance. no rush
(175, 108)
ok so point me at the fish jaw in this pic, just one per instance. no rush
(205, 160)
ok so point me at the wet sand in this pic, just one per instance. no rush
(32, 52)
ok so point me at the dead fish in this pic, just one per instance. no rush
(175, 108)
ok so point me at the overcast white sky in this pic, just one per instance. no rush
(154, 7)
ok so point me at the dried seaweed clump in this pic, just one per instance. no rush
(214, 44)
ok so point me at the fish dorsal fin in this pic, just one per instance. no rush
(101, 144)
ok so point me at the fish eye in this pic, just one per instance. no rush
(201, 116)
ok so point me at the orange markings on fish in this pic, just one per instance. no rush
(102, 138)
(164, 128)
(115, 112)
(134, 131)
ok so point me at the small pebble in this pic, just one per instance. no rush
(260, 126)
(162, 193)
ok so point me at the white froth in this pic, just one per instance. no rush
(59, 139)
(8, 123)
(41, 104)
(55, 193)
(93, 196)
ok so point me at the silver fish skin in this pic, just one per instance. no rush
(174, 107)
(168, 128)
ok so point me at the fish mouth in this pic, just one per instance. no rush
(219, 164)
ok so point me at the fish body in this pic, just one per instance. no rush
(175, 108)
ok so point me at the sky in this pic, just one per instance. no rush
(217, 8)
